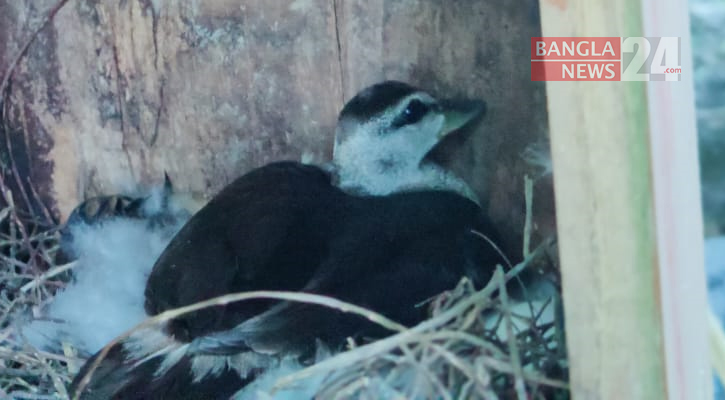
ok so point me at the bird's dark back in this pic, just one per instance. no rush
(392, 253)
(267, 230)
(286, 227)
(413, 245)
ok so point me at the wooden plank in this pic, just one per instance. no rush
(629, 220)
(113, 94)
(462, 48)
(677, 195)
(117, 93)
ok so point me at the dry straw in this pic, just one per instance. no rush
(456, 353)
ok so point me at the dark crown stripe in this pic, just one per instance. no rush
(376, 99)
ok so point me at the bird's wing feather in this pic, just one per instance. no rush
(248, 225)
(405, 251)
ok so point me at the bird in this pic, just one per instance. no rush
(111, 242)
(161, 207)
(381, 226)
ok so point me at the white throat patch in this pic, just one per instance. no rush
(380, 165)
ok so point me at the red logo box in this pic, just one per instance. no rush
(576, 58)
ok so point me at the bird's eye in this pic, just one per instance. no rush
(413, 113)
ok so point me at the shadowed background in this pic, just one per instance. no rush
(112, 94)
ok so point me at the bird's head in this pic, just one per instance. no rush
(384, 133)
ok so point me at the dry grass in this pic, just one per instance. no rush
(29, 277)
(457, 353)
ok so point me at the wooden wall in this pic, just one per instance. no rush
(114, 93)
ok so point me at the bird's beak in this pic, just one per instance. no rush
(458, 113)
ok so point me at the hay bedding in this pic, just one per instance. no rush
(30, 274)
(459, 353)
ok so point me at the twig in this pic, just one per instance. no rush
(513, 348)
(495, 247)
(529, 195)
(59, 269)
(389, 343)
(50, 221)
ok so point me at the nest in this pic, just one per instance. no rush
(459, 352)
(30, 275)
